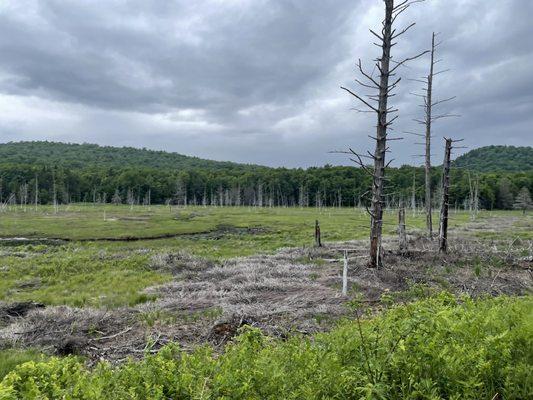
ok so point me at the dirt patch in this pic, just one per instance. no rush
(139, 218)
(214, 234)
(9, 311)
(18, 241)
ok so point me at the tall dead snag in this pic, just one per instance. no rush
(384, 88)
(427, 163)
(443, 221)
(429, 117)
(443, 224)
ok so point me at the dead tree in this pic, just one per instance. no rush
(473, 197)
(259, 194)
(130, 198)
(384, 87)
(402, 235)
(36, 197)
(443, 224)
(54, 194)
(413, 196)
(443, 221)
(345, 274)
(427, 163)
(318, 239)
(429, 118)
(23, 190)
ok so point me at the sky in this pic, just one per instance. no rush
(257, 81)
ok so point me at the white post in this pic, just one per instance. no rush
(345, 274)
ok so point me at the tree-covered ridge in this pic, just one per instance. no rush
(90, 173)
(497, 158)
(87, 156)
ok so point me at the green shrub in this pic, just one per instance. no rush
(441, 347)
(9, 359)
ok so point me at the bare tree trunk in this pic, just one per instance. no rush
(376, 221)
(428, 101)
(475, 202)
(443, 224)
(318, 240)
(36, 199)
(54, 194)
(384, 88)
(345, 274)
(413, 196)
(402, 236)
(260, 194)
(470, 197)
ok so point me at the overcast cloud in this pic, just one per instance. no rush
(254, 80)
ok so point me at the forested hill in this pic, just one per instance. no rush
(87, 156)
(90, 173)
(497, 158)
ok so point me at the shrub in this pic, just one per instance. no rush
(441, 347)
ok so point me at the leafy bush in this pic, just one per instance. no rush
(441, 347)
(9, 359)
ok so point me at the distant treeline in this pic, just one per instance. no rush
(325, 186)
(48, 172)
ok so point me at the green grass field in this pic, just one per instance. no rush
(283, 226)
(100, 256)
(91, 271)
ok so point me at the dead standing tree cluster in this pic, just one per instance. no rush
(378, 103)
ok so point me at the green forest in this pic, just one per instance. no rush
(497, 158)
(47, 172)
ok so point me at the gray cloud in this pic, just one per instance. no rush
(252, 80)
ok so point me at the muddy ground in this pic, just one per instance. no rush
(295, 291)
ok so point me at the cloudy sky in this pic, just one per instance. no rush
(254, 80)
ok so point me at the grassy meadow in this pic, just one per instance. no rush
(102, 257)
(85, 268)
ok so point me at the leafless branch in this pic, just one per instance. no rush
(404, 30)
(360, 99)
(443, 101)
(408, 59)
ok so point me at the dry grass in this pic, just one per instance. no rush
(294, 290)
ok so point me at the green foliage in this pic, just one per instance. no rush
(523, 200)
(86, 156)
(497, 158)
(436, 348)
(9, 359)
(91, 173)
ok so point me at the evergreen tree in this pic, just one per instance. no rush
(523, 200)
(116, 199)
